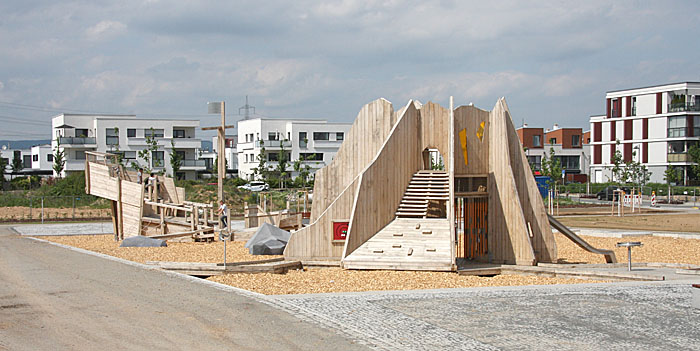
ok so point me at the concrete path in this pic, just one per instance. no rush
(53, 298)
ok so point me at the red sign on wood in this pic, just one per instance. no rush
(340, 230)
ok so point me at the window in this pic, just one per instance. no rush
(27, 161)
(634, 106)
(112, 136)
(131, 133)
(129, 155)
(180, 154)
(317, 156)
(536, 141)
(568, 162)
(178, 133)
(80, 155)
(35, 158)
(157, 158)
(321, 135)
(552, 141)
(340, 136)
(676, 127)
(575, 140)
(246, 157)
(676, 147)
(302, 139)
(273, 136)
(81, 133)
(696, 126)
(154, 133)
(273, 156)
(49, 157)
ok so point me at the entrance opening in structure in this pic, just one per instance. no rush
(471, 217)
(432, 160)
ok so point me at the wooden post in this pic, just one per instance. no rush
(222, 155)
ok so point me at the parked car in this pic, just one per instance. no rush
(255, 186)
(609, 192)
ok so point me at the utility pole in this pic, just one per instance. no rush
(213, 108)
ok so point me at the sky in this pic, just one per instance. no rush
(552, 60)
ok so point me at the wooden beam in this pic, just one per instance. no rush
(217, 127)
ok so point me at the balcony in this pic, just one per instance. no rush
(194, 164)
(678, 157)
(327, 143)
(683, 107)
(273, 144)
(75, 165)
(82, 141)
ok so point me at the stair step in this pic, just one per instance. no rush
(423, 205)
(411, 214)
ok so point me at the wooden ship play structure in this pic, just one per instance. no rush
(157, 211)
(381, 204)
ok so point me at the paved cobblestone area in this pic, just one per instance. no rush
(619, 316)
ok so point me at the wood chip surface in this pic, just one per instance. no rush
(324, 280)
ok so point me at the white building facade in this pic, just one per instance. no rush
(126, 134)
(315, 142)
(654, 125)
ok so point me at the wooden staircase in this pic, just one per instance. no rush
(424, 186)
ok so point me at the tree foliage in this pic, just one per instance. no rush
(175, 159)
(59, 159)
(551, 167)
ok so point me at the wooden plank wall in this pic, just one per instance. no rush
(170, 194)
(315, 242)
(385, 180)
(366, 136)
(469, 118)
(508, 238)
(132, 208)
(434, 130)
(542, 239)
(101, 184)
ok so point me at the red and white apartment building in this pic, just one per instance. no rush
(654, 125)
(569, 145)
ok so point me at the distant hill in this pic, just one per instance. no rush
(23, 144)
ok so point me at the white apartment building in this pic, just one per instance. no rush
(126, 134)
(656, 124)
(230, 152)
(314, 141)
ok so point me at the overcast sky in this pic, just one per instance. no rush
(552, 60)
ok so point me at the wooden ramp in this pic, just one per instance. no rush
(406, 244)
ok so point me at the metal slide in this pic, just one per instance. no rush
(608, 254)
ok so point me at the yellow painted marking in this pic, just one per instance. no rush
(480, 131)
(463, 141)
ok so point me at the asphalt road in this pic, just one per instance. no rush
(52, 298)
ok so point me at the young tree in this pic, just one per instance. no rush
(671, 175)
(282, 164)
(3, 166)
(145, 154)
(175, 159)
(16, 165)
(304, 170)
(59, 159)
(262, 172)
(619, 171)
(694, 154)
(551, 167)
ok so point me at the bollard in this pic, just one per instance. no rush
(629, 246)
(42, 210)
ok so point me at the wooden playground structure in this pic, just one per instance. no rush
(157, 211)
(426, 186)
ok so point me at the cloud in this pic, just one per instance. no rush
(104, 30)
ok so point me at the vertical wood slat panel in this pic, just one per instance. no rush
(366, 136)
(384, 181)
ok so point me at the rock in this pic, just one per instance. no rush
(268, 240)
(142, 241)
